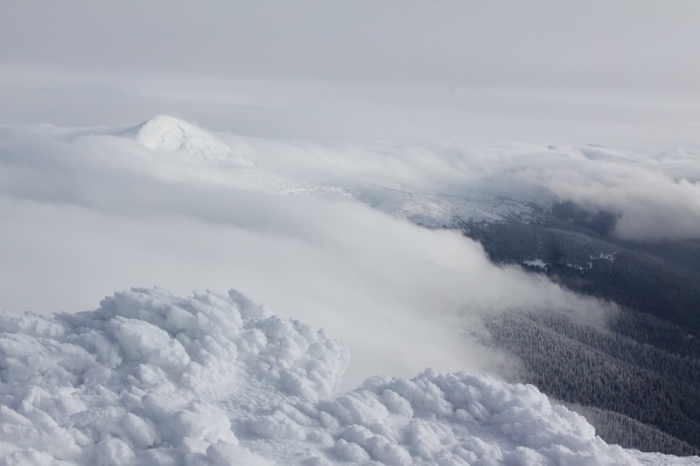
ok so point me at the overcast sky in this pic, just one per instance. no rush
(651, 46)
(624, 73)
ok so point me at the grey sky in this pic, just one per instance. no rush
(622, 74)
(650, 46)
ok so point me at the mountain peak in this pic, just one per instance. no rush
(169, 134)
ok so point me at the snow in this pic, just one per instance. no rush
(202, 151)
(539, 263)
(170, 135)
(150, 378)
(580, 268)
(438, 210)
(603, 256)
(430, 184)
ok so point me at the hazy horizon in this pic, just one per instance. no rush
(623, 74)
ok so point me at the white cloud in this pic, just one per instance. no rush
(84, 216)
(656, 197)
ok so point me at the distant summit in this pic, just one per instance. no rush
(169, 134)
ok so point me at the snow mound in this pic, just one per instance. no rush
(171, 135)
(150, 378)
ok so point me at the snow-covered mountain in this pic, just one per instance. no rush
(168, 134)
(150, 378)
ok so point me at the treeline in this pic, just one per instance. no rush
(650, 330)
(579, 364)
(643, 371)
(624, 431)
(659, 347)
(633, 279)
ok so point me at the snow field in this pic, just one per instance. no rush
(150, 378)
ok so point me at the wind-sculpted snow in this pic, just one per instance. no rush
(150, 378)
(147, 378)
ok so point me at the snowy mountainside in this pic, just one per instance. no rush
(437, 210)
(152, 378)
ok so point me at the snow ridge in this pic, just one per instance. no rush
(150, 378)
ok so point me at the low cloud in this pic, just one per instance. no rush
(655, 196)
(85, 215)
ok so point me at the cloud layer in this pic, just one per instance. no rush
(85, 214)
(655, 196)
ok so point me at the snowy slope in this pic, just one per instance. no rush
(154, 379)
(428, 185)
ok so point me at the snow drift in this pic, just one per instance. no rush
(150, 378)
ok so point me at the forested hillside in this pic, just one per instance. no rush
(587, 264)
(623, 430)
(639, 377)
(577, 363)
